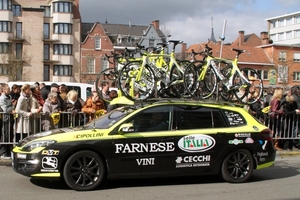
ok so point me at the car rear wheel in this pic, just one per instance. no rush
(238, 166)
(84, 170)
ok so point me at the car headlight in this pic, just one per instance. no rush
(35, 144)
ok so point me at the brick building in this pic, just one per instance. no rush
(38, 40)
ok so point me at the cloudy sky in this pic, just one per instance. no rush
(190, 20)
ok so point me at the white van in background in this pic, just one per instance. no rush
(84, 90)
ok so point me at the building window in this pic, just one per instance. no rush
(62, 70)
(91, 65)
(289, 35)
(19, 47)
(289, 21)
(104, 63)
(5, 26)
(62, 7)
(46, 73)
(264, 74)
(129, 39)
(4, 47)
(297, 33)
(47, 11)
(119, 39)
(296, 57)
(282, 56)
(281, 22)
(61, 28)
(297, 19)
(296, 76)
(46, 31)
(151, 42)
(5, 4)
(16, 10)
(280, 36)
(4, 69)
(97, 43)
(63, 49)
(46, 51)
(19, 30)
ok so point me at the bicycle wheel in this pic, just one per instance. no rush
(109, 75)
(132, 88)
(248, 93)
(227, 95)
(204, 88)
(176, 79)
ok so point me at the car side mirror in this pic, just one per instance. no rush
(126, 128)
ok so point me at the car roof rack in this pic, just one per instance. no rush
(179, 100)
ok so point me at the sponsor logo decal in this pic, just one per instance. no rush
(262, 154)
(243, 135)
(263, 144)
(249, 141)
(145, 147)
(50, 152)
(88, 135)
(49, 164)
(193, 161)
(196, 143)
(145, 161)
(235, 141)
(262, 159)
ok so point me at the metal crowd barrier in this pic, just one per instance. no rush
(35, 123)
(283, 126)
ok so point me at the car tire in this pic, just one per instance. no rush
(237, 166)
(84, 170)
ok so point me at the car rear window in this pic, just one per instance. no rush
(197, 117)
(234, 118)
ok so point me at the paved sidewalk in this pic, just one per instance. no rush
(279, 154)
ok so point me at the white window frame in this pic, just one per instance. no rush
(281, 56)
(296, 76)
(104, 63)
(97, 43)
(296, 57)
(90, 65)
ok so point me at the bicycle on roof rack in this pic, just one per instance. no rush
(155, 75)
(111, 75)
(203, 77)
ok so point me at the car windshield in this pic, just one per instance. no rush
(109, 119)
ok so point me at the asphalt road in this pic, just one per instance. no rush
(280, 182)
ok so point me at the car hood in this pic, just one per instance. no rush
(65, 134)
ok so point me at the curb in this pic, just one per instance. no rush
(283, 154)
(280, 154)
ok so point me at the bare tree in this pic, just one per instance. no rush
(283, 65)
(14, 65)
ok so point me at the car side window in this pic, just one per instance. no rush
(198, 117)
(153, 119)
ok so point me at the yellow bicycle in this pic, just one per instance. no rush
(203, 77)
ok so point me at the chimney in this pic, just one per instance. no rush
(183, 51)
(156, 24)
(241, 38)
(264, 38)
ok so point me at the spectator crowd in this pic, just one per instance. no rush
(29, 109)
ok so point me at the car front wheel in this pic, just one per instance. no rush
(238, 166)
(84, 170)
